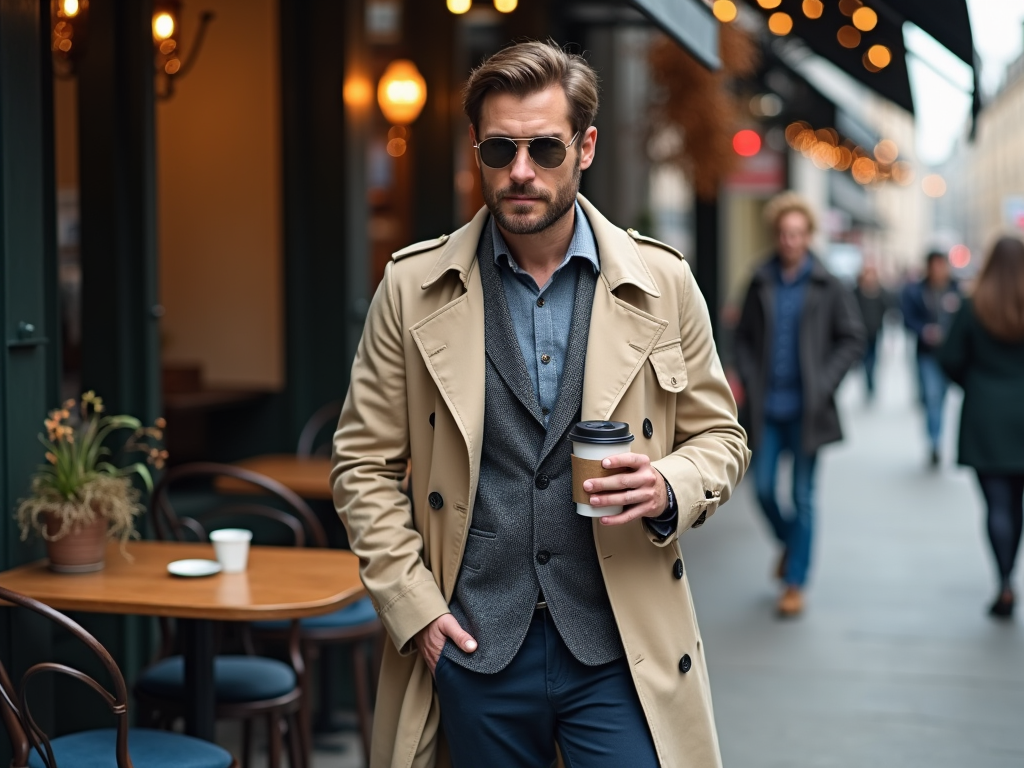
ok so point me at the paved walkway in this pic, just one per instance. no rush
(895, 662)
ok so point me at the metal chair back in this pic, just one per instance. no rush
(323, 416)
(24, 732)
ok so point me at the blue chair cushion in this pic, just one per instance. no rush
(148, 749)
(360, 612)
(237, 679)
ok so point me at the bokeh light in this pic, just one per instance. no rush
(459, 6)
(724, 10)
(70, 8)
(886, 151)
(506, 6)
(769, 4)
(396, 147)
(848, 37)
(864, 170)
(933, 185)
(813, 9)
(864, 19)
(959, 256)
(903, 173)
(849, 7)
(747, 143)
(780, 23)
(879, 56)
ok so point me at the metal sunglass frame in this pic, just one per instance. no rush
(529, 143)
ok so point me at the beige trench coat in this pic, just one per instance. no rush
(417, 390)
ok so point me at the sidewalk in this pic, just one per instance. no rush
(895, 662)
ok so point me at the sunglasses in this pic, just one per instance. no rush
(546, 151)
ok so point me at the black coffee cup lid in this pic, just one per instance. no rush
(601, 432)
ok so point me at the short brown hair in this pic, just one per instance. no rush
(999, 294)
(529, 67)
(788, 202)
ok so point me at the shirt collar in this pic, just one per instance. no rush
(583, 245)
(803, 274)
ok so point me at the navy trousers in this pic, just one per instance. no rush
(513, 718)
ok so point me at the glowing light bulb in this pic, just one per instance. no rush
(70, 8)
(163, 25)
(506, 6)
(459, 6)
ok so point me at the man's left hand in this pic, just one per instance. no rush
(641, 489)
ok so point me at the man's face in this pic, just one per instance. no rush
(523, 197)
(938, 271)
(794, 238)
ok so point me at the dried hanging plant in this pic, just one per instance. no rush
(701, 105)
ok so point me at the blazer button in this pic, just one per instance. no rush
(436, 500)
(431, 420)
(685, 663)
(543, 556)
(677, 569)
(648, 429)
(542, 481)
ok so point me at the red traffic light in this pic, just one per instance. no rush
(746, 143)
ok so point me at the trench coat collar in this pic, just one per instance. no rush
(621, 262)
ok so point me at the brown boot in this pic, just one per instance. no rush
(791, 603)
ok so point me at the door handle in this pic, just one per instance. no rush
(26, 337)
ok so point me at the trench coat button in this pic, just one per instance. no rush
(677, 569)
(543, 556)
(436, 500)
(431, 420)
(542, 481)
(700, 520)
(708, 495)
(685, 663)
(648, 429)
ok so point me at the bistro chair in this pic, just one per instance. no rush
(324, 415)
(248, 687)
(118, 747)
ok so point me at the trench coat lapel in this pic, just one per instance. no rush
(451, 340)
(621, 335)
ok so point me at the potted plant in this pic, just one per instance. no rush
(80, 497)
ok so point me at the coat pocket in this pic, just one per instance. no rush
(669, 366)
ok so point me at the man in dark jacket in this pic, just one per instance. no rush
(928, 310)
(874, 302)
(799, 333)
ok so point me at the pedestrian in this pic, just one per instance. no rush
(984, 354)
(798, 335)
(874, 302)
(516, 623)
(928, 308)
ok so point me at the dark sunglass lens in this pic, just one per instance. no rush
(547, 153)
(497, 153)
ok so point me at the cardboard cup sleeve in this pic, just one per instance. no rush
(587, 469)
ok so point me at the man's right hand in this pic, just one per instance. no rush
(430, 640)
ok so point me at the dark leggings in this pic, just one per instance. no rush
(1004, 495)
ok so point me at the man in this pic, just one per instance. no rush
(874, 302)
(928, 310)
(516, 623)
(798, 335)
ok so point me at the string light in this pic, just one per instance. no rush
(724, 10)
(864, 19)
(879, 56)
(886, 151)
(506, 6)
(933, 185)
(848, 37)
(813, 9)
(780, 23)
(769, 4)
(459, 6)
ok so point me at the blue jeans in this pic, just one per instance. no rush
(513, 718)
(870, 361)
(793, 530)
(933, 384)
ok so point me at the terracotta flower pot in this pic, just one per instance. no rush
(81, 550)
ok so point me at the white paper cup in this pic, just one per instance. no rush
(588, 443)
(232, 548)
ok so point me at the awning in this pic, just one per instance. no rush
(689, 22)
(821, 36)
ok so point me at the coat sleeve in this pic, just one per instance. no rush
(955, 353)
(710, 451)
(369, 461)
(848, 339)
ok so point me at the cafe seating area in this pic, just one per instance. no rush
(244, 658)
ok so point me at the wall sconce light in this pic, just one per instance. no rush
(401, 92)
(171, 63)
(69, 21)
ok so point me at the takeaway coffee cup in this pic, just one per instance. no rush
(232, 548)
(591, 442)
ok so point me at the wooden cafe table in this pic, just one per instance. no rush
(308, 476)
(280, 583)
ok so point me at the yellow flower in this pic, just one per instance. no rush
(51, 458)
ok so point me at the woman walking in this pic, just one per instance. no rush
(984, 354)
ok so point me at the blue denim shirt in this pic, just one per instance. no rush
(784, 394)
(542, 318)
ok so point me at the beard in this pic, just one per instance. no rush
(518, 222)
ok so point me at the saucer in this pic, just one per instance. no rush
(193, 568)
